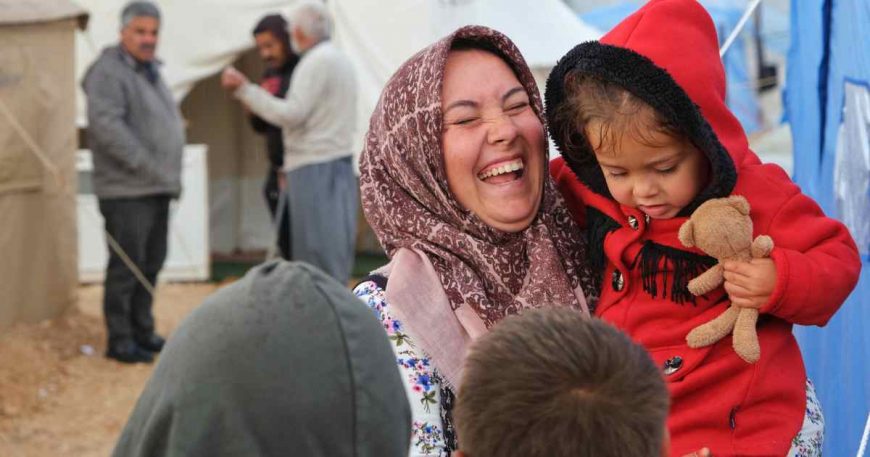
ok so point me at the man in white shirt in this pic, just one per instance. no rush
(317, 118)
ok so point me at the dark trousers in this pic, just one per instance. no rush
(272, 193)
(140, 227)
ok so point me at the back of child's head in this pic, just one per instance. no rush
(597, 114)
(554, 383)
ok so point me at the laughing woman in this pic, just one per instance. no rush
(455, 185)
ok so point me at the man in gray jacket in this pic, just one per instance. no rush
(136, 135)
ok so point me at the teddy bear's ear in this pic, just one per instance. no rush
(687, 234)
(740, 204)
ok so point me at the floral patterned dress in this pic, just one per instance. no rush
(811, 437)
(430, 400)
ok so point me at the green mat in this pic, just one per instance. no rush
(228, 269)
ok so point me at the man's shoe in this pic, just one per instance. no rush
(128, 352)
(151, 343)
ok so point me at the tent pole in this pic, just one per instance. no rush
(864, 438)
(742, 22)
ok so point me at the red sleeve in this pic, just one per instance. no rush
(570, 188)
(816, 260)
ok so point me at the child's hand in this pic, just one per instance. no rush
(750, 284)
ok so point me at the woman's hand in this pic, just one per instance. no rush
(703, 452)
(750, 284)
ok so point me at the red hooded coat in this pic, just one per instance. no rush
(667, 54)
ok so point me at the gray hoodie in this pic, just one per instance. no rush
(285, 362)
(135, 131)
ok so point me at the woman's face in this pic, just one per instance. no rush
(493, 142)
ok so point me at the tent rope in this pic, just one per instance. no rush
(129, 262)
(34, 148)
(52, 168)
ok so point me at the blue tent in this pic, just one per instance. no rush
(827, 102)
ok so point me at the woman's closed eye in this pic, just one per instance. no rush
(460, 120)
(518, 107)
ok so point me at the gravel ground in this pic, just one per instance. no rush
(58, 395)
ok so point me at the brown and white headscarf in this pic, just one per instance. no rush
(451, 276)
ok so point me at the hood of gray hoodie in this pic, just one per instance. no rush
(285, 361)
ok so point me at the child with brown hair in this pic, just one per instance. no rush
(553, 383)
(641, 121)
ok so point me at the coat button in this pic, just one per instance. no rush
(632, 221)
(672, 365)
(646, 218)
(617, 281)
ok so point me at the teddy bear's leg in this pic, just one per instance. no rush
(745, 339)
(707, 281)
(713, 331)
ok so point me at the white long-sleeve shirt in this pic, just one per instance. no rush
(318, 114)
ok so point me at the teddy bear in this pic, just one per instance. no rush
(722, 228)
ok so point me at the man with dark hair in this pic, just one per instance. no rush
(551, 383)
(317, 118)
(273, 44)
(136, 136)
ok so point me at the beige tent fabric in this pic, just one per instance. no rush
(38, 271)
(237, 162)
(37, 11)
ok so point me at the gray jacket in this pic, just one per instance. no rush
(135, 130)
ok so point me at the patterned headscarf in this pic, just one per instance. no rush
(407, 201)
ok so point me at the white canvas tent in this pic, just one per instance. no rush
(37, 162)
(200, 37)
(381, 34)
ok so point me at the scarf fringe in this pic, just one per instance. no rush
(672, 269)
(664, 270)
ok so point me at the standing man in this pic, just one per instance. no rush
(136, 136)
(317, 118)
(273, 44)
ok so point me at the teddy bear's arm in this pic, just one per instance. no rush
(761, 246)
(707, 280)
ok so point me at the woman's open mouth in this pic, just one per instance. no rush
(503, 172)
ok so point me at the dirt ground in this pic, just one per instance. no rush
(58, 395)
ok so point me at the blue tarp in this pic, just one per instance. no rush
(830, 48)
(741, 89)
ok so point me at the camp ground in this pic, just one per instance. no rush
(799, 82)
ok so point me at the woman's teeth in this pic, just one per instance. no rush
(506, 168)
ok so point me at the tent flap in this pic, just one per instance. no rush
(36, 11)
(830, 130)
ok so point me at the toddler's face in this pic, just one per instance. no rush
(659, 177)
